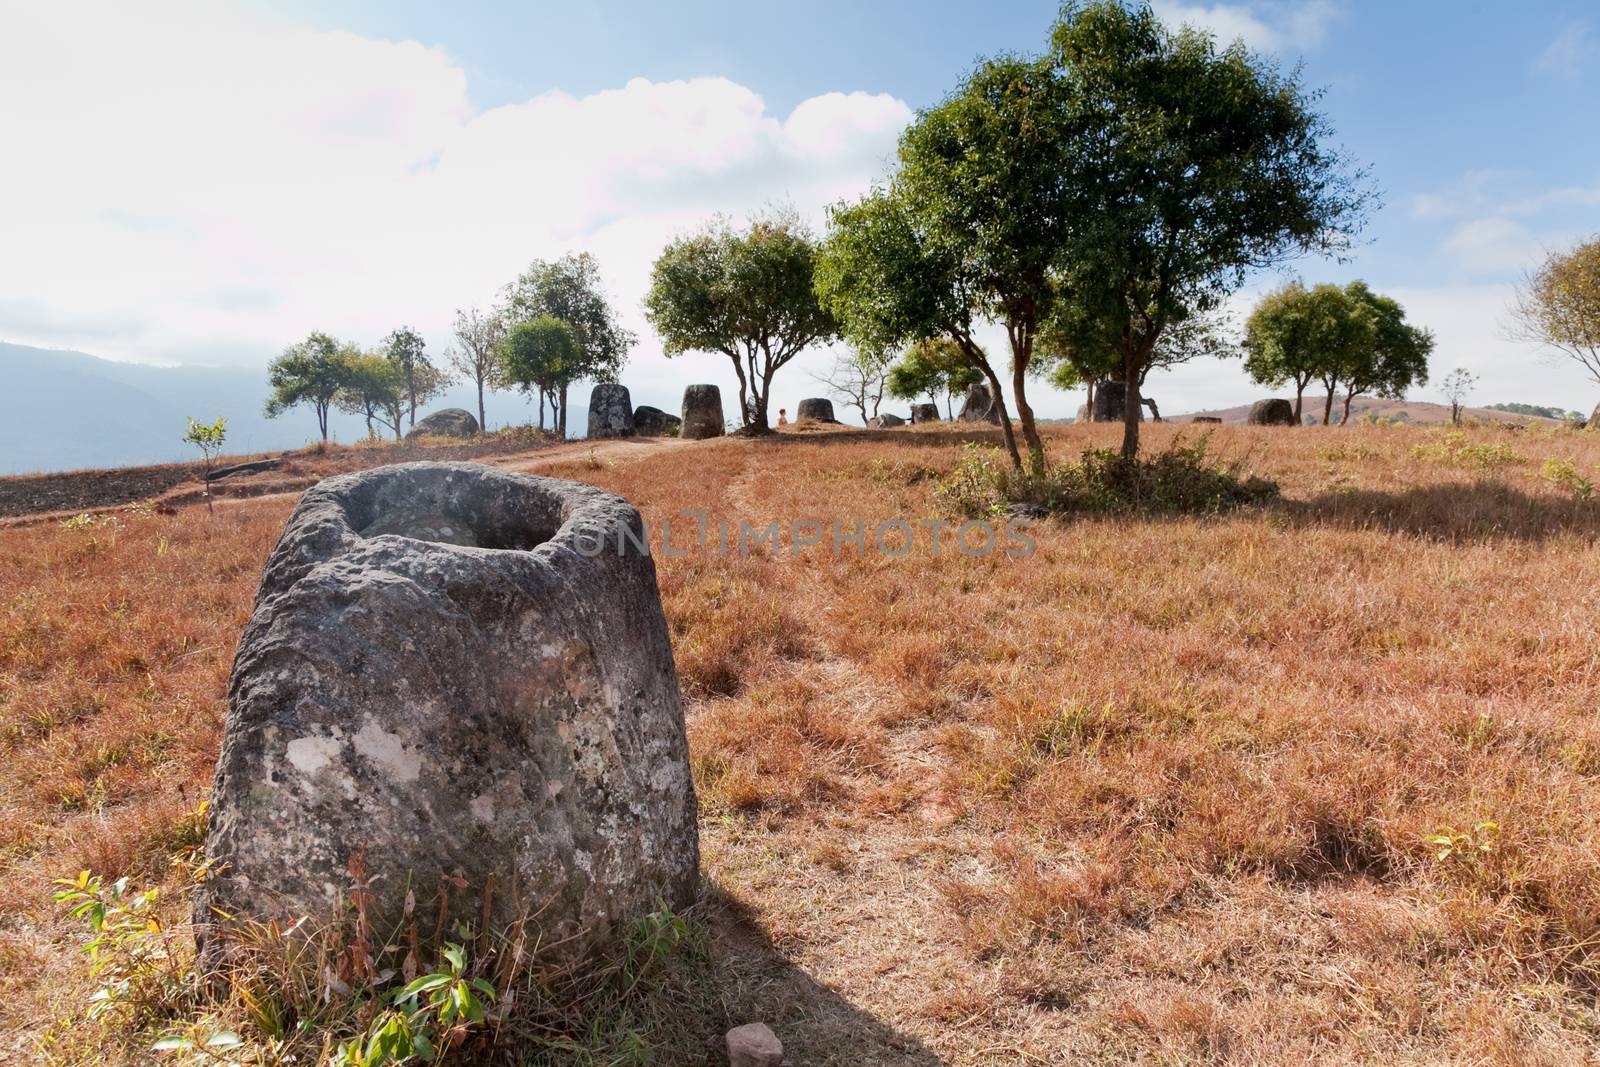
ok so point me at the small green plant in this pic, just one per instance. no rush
(432, 1013)
(81, 521)
(208, 437)
(1464, 845)
(1564, 475)
(1451, 448)
(127, 947)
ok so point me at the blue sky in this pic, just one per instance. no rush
(207, 183)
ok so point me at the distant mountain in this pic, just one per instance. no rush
(1416, 412)
(63, 410)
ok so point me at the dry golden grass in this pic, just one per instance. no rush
(1161, 792)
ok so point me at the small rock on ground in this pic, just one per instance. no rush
(754, 1045)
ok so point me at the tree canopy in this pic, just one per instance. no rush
(374, 387)
(933, 367)
(309, 374)
(570, 289)
(1188, 166)
(422, 381)
(1558, 306)
(749, 294)
(541, 356)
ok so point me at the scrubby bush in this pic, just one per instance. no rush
(1183, 479)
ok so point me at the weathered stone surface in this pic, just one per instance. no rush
(446, 422)
(454, 672)
(1111, 401)
(979, 406)
(653, 422)
(610, 411)
(1274, 412)
(817, 409)
(1594, 417)
(702, 412)
(885, 421)
(1217, 419)
(924, 413)
(1083, 413)
(754, 1045)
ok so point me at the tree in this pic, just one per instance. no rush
(374, 387)
(480, 335)
(540, 357)
(890, 280)
(570, 289)
(982, 172)
(208, 437)
(933, 367)
(1299, 335)
(1558, 306)
(309, 373)
(859, 377)
(406, 349)
(1187, 167)
(749, 294)
(1394, 356)
(1456, 388)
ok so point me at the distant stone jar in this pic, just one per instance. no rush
(653, 422)
(456, 685)
(979, 406)
(924, 413)
(610, 411)
(446, 422)
(817, 409)
(702, 412)
(1274, 412)
(885, 421)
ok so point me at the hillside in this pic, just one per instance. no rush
(1167, 790)
(1413, 412)
(62, 411)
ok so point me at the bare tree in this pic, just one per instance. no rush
(1456, 388)
(859, 378)
(479, 334)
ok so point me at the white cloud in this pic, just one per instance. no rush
(1570, 54)
(1279, 27)
(1492, 246)
(217, 182)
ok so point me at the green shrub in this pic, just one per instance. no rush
(1181, 480)
(1451, 448)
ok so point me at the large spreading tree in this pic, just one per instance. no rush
(749, 294)
(1188, 166)
(570, 289)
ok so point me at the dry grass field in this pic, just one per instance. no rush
(1312, 782)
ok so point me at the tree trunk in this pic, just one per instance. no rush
(1000, 409)
(1130, 406)
(483, 423)
(322, 421)
(1347, 398)
(1030, 432)
(541, 411)
(561, 430)
(411, 391)
(1299, 393)
(1089, 403)
(1327, 409)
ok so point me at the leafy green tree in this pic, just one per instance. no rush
(541, 357)
(374, 387)
(749, 294)
(982, 173)
(1558, 306)
(1186, 167)
(406, 349)
(479, 335)
(570, 289)
(1300, 335)
(933, 367)
(208, 437)
(1394, 356)
(309, 374)
(891, 279)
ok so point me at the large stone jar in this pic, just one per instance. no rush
(456, 684)
(702, 412)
